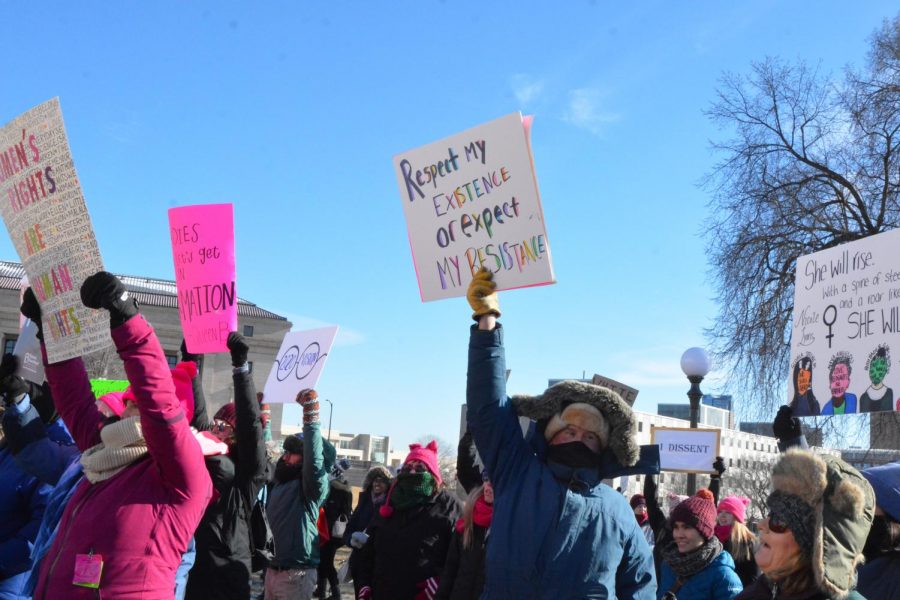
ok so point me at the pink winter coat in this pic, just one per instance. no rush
(140, 520)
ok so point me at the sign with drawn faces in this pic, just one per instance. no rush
(299, 363)
(44, 211)
(471, 200)
(845, 335)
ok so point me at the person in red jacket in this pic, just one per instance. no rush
(146, 487)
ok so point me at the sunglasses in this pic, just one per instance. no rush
(777, 524)
(220, 426)
(414, 469)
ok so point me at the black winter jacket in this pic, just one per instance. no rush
(222, 567)
(338, 504)
(463, 576)
(408, 548)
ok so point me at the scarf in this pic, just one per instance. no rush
(686, 565)
(482, 513)
(121, 444)
(641, 519)
(723, 532)
(573, 454)
(378, 499)
(412, 489)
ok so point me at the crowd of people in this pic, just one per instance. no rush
(139, 494)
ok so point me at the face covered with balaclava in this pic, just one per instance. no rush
(576, 436)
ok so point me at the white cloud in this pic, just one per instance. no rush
(345, 336)
(526, 89)
(585, 110)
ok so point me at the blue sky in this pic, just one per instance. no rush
(292, 111)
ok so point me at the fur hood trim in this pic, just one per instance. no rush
(377, 471)
(616, 412)
(844, 505)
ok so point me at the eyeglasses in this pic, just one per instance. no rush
(221, 426)
(777, 524)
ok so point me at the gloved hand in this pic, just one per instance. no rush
(427, 589)
(186, 355)
(104, 290)
(786, 426)
(309, 400)
(482, 295)
(719, 466)
(32, 309)
(358, 539)
(12, 389)
(239, 349)
(365, 593)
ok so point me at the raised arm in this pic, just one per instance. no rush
(490, 418)
(787, 430)
(654, 513)
(315, 477)
(69, 386)
(248, 432)
(170, 442)
(201, 421)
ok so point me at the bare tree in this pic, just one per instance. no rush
(753, 481)
(812, 163)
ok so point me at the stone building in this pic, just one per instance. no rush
(158, 300)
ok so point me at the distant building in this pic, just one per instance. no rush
(814, 435)
(159, 305)
(864, 459)
(362, 447)
(724, 401)
(707, 415)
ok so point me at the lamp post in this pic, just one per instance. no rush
(694, 364)
(330, 413)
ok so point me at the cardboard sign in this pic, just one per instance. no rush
(299, 363)
(101, 387)
(472, 200)
(686, 450)
(203, 251)
(48, 222)
(845, 339)
(628, 393)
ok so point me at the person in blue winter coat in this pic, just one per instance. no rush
(557, 532)
(23, 499)
(695, 566)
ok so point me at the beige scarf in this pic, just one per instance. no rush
(122, 443)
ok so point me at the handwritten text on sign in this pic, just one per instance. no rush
(846, 327)
(471, 201)
(299, 363)
(47, 220)
(686, 450)
(203, 251)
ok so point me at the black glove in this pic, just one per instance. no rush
(719, 466)
(104, 290)
(12, 389)
(186, 355)
(786, 426)
(32, 309)
(239, 349)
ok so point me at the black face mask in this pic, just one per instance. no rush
(285, 472)
(884, 537)
(573, 454)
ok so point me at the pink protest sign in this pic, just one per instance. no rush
(203, 250)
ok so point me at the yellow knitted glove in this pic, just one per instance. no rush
(482, 295)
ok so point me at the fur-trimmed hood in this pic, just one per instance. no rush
(622, 424)
(376, 471)
(843, 503)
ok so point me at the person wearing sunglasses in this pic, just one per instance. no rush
(410, 537)
(812, 540)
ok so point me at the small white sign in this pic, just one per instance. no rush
(299, 363)
(28, 351)
(686, 450)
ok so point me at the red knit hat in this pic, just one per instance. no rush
(428, 455)
(698, 513)
(638, 500)
(228, 414)
(736, 505)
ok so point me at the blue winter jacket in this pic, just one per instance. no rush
(22, 502)
(718, 581)
(547, 541)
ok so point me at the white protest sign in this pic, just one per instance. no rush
(299, 363)
(472, 200)
(686, 450)
(48, 222)
(28, 351)
(846, 326)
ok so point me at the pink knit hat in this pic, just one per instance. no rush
(182, 376)
(115, 401)
(428, 455)
(736, 505)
